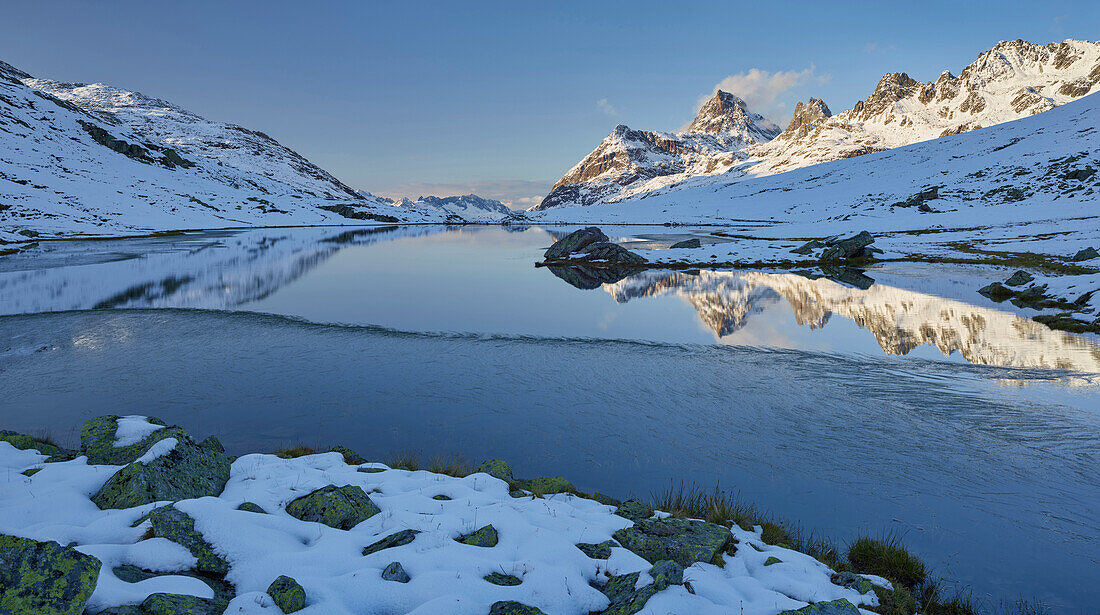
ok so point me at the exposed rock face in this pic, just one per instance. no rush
(807, 116)
(338, 507)
(185, 471)
(627, 159)
(44, 578)
(683, 541)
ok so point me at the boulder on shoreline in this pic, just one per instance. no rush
(575, 242)
(181, 471)
(684, 541)
(338, 507)
(591, 244)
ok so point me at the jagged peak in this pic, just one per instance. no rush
(725, 112)
(806, 116)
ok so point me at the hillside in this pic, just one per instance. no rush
(94, 159)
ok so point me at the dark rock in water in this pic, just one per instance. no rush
(546, 484)
(1019, 279)
(350, 457)
(338, 507)
(397, 539)
(511, 607)
(687, 243)
(251, 507)
(855, 246)
(634, 510)
(186, 471)
(666, 573)
(1086, 255)
(223, 590)
(44, 577)
(396, 572)
(997, 292)
(836, 607)
(575, 242)
(499, 578)
(484, 537)
(598, 550)
(852, 581)
(496, 468)
(848, 275)
(680, 540)
(588, 278)
(808, 247)
(178, 604)
(288, 594)
(610, 252)
(177, 526)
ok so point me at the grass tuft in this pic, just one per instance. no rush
(886, 557)
(452, 465)
(404, 460)
(290, 452)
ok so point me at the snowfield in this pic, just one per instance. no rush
(536, 543)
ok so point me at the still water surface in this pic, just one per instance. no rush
(926, 411)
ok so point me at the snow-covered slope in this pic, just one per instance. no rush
(96, 159)
(629, 161)
(1013, 80)
(468, 207)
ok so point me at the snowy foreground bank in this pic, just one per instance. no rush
(143, 519)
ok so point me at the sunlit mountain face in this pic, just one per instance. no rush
(900, 320)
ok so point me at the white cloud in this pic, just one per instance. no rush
(515, 193)
(762, 90)
(606, 107)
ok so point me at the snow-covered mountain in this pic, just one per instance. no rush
(629, 160)
(96, 159)
(468, 207)
(1013, 80)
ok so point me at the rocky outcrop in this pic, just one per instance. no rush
(684, 541)
(44, 578)
(575, 242)
(25, 442)
(546, 485)
(287, 594)
(591, 245)
(807, 116)
(179, 604)
(338, 507)
(856, 246)
(726, 113)
(173, 524)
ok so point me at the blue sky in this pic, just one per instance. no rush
(500, 98)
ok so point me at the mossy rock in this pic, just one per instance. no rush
(625, 600)
(483, 537)
(666, 573)
(396, 572)
(251, 507)
(606, 500)
(179, 604)
(497, 469)
(371, 470)
(223, 590)
(350, 457)
(337, 507)
(511, 607)
(212, 443)
(288, 594)
(187, 471)
(499, 578)
(852, 581)
(44, 578)
(836, 607)
(634, 510)
(600, 550)
(545, 485)
(177, 526)
(442, 498)
(31, 472)
(24, 442)
(680, 540)
(97, 441)
(773, 560)
(397, 539)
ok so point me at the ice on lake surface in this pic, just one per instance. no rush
(912, 405)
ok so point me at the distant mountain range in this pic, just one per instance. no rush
(1013, 80)
(469, 207)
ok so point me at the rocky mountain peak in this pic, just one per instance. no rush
(807, 115)
(727, 113)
